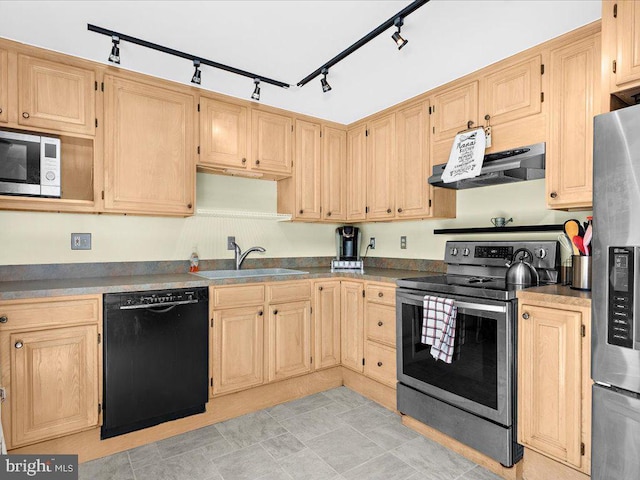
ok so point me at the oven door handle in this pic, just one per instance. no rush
(480, 307)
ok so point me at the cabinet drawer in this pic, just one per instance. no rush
(380, 323)
(26, 314)
(237, 296)
(381, 294)
(288, 291)
(380, 363)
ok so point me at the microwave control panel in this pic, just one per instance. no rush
(620, 305)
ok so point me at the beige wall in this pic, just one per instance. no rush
(29, 237)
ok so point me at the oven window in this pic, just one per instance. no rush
(473, 373)
(13, 161)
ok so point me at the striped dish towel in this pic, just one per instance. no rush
(439, 327)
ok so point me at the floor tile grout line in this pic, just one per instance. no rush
(378, 456)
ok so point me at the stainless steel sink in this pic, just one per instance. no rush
(249, 272)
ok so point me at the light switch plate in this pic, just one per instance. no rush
(230, 243)
(403, 242)
(80, 241)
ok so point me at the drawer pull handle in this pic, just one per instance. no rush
(379, 364)
(525, 315)
(19, 344)
(4, 319)
(380, 324)
(380, 294)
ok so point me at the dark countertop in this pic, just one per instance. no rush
(13, 290)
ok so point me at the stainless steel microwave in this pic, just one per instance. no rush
(29, 165)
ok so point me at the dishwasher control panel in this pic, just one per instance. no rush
(163, 297)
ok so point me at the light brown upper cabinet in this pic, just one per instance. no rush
(413, 166)
(356, 191)
(271, 142)
(223, 134)
(4, 86)
(381, 171)
(626, 13)
(512, 91)
(55, 96)
(149, 147)
(574, 100)
(307, 170)
(334, 174)
(452, 110)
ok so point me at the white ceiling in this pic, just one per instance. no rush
(287, 40)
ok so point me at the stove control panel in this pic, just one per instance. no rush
(493, 252)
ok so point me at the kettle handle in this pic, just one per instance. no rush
(527, 252)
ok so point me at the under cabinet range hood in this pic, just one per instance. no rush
(517, 165)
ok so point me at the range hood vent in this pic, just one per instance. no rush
(509, 166)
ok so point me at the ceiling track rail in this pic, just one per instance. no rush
(188, 56)
(364, 40)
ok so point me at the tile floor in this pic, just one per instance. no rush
(337, 434)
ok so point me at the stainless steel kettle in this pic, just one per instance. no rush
(522, 273)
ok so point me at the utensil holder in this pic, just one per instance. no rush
(581, 272)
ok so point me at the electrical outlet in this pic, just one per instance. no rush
(403, 242)
(80, 241)
(230, 243)
(372, 243)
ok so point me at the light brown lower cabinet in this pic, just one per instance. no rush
(352, 325)
(50, 356)
(554, 384)
(289, 339)
(326, 314)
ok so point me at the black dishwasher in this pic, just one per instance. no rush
(155, 358)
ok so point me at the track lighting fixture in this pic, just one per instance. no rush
(197, 75)
(115, 50)
(401, 42)
(256, 91)
(323, 81)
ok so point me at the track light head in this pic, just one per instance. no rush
(256, 91)
(115, 50)
(400, 42)
(323, 81)
(197, 75)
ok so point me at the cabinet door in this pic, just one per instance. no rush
(628, 42)
(513, 91)
(54, 382)
(289, 340)
(223, 134)
(575, 94)
(351, 325)
(334, 174)
(381, 171)
(452, 110)
(412, 190)
(326, 311)
(307, 170)
(549, 381)
(55, 96)
(356, 173)
(4, 86)
(149, 148)
(271, 142)
(238, 349)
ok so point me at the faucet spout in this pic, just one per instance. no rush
(240, 257)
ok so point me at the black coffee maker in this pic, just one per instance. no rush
(348, 241)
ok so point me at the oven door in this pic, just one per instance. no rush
(19, 163)
(480, 378)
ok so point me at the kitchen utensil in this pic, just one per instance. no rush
(566, 243)
(587, 237)
(578, 242)
(572, 229)
(522, 273)
(500, 221)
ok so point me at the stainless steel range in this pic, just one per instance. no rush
(473, 398)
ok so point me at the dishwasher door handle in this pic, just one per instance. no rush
(170, 306)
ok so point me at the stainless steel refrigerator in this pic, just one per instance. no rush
(615, 362)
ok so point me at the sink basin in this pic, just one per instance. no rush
(249, 272)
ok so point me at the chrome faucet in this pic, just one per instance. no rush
(239, 256)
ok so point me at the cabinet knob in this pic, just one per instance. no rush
(4, 319)
(0, 110)
(400, 210)
(380, 324)
(380, 294)
(244, 160)
(260, 313)
(320, 288)
(328, 214)
(25, 114)
(379, 364)
(189, 205)
(275, 312)
(525, 315)
(388, 210)
(301, 212)
(257, 162)
(19, 344)
(553, 195)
